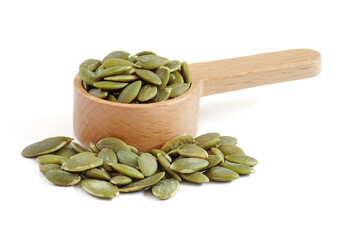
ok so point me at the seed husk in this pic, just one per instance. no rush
(217, 152)
(81, 162)
(227, 140)
(192, 150)
(166, 188)
(120, 180)
(114, 144)
(66, 152)
(147, 164)
(109, 85)
(47, 167)
(62, 178)
(122, 78)
(90, 64)
(109, 157)
(188, 165)
(242, 159)
(144, 183)
(166, 166)
(128, 158)
(207, 140)
(147, 92)
(99, 93)
(230, 149)
(51, 159)
(196, 177)
(239, 168)
(127, 170)
(93, 147)
(97, 174)
(163, 94)
(176, 142)
(130, 92)
(148, 76)
(164, 75)
(185, 72)
(221, 174)
(88, 76)
(43, 147)
(178, 89)
(115, 62)
(117, 54)
(151, 62)
(100, 188)
(213, 161)
(78, 147)
(174, 65)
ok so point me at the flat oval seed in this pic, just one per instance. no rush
(151, 62)
(78, 147)
(81, 162)
(117, 54)
(66, 152)
(188, 165)
(133, 149)
(166, 188)
(111, 98)
(42, 147)
(242, 159)
(207, 140)
(130, 92)
(192, 150)
(154, 152)
(142, 53)
(221, 174)
(213, 161)
(97, 174)
(108, 85)
(178, 77)
(230, 149)
(217, 152)
(176, 142)
(100, 188)
(147, 92)
(114, 62)
(112, 71)
(239, 168)
(120, 180)
(164, 75)
(99, 69)
(147, 164)
(128, 158)
(166, 166)
(51, 159)
(148, 76)
(93, 147)
(62, 178)
(178, 89)
(109, 157)
(47, 167)
(122, 78)
(114, 144)
(99, 93)
(174, 65)
(227, 140)
(133, 58)
(88, 76)
(90, 64)
(60, 138)
(163, 94)
(196, 177)
(185, 72)
(127, 170)
(144, 183)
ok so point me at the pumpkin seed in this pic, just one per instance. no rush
(47, 167)
(117, 54)
(166, 188)
(178, 89)
(151, 61)
(78, 147)
(230, 149)
(122, 78)
(196, 177)
(133, 149)
(109, 157)
(114, 144)
(217, 152)
(127, 157)
(227, 140)
(188, 165)
(88, 76)
(109, 85)
(154, 152)
(144, 183)
(239, 168)
(133, 58)
(147, 164)
(178, 78)
(207, 140)
(164, 75)
(166, 166)
(62, 178)
(130, 92)
(99, 69)
(213, 161)
(43, 147)
(115, 62)
(90, 64)
(66, 152)
(61, 138)
(221, 174)
(185, 72)
(127, 170)
(163, 94)
(176, 142)
(97, 92)
(148, 76)
(81, 162)
(100, 188)
(107, 72)
(242, 159)
(93, 147)
(174, 65)
(192, 150)
(111, 98)
(130, 71)
(147, 92)
(120, 180)
(142, 53)
(51, 159)
(97, 174)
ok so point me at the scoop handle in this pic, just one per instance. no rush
(255, 70)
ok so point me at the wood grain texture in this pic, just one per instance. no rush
(149, 126)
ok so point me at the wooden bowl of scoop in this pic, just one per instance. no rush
(149, 126)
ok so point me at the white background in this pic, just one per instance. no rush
(304, 133)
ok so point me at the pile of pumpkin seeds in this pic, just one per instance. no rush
(141, 78)
(111, 166)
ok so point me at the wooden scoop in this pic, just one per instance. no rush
(149, 126)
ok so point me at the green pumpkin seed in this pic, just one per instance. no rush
(130, 71)
(164, 75)
(147, 164)
(81, 162)
(43, 147)
(127, 170)
(213, 161)
(151, 62)
(88, 76)
(230, 149)
(100, 188)
(93, 147)
(185, 72)
(114, 144)
(227, 140)
(117, 54)
(142, 53)
(144, 183)
(51, 159)
(239, 168)
(107, 72)
(90, 64)
(99, 69)
(176, 142)
(148, 76)
(196, 177)
(133, 58)
(242, 159)
(97, 174)
(62, 178)
(60, 138)
(99, 93)
(116, 62)
(127, 157)
(221, 174)
(111, 98)
(147, 92)
(122, 78)
(66, 152)
(109, 157)
(178, 78)
(178, 89)
(47, 167)
(192, 150)
(207, 140)
(108, 85)
(163, 94)
(166, 166)
(188, 165)
(120, 180)
(166, 188)
(133, 149)
(217, 152)
(130, 92)
(78, 147)
(154, 152)
(174, 65)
